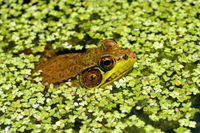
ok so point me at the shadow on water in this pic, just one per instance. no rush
(196, 104)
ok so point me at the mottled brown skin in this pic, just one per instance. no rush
(63, 67)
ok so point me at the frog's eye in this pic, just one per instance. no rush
(107, 63)
(91, 77)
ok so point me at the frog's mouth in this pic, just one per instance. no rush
(121, 68)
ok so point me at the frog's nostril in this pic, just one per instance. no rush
(125, 56)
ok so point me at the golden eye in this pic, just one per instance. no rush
(107, 63)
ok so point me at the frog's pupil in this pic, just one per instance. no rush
(107, 62)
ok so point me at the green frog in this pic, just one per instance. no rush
(96, 67)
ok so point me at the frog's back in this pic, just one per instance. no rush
(63, 67)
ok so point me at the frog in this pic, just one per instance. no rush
(97, 67)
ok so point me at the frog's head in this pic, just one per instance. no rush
(113, 62)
